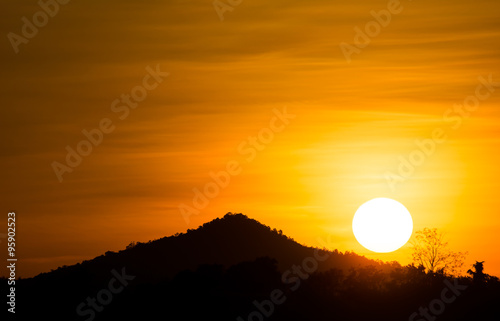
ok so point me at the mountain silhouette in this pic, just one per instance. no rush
(234, 268)
(229, 240)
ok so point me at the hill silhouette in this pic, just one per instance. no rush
(229, 240)
(233, 268)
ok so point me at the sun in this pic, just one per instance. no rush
(382, 225)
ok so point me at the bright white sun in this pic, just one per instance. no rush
(382, 225)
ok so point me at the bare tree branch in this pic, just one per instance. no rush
(431, 251)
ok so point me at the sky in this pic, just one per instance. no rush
(313, 107)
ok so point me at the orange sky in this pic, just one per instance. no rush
(353, 121)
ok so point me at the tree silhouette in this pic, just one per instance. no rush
(131, 245)
(478, 275)
(431, 251)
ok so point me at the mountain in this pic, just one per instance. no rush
(233, 268)
(233, 239)
(226, 241)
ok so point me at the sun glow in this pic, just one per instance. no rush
(382, 225)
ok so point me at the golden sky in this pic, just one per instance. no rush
(353, 121)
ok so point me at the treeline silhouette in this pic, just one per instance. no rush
(235, 268)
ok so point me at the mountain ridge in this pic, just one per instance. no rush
(229, 267)
(229, 240)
